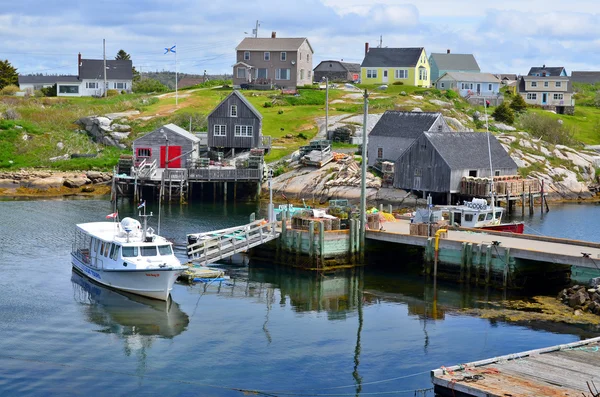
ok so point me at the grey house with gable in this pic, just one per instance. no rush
(437, 162)
(167, 142)
(235, 124)
(396, 131)
(444, 63)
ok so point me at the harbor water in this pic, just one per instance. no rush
(268, 330)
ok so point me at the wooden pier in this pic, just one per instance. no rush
(502, 259)
(209, 247)
(565, 370)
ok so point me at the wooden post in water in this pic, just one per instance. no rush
(225, 192)
(234, 191)
(311, 242)
(530, 202)
(488, 264)
(321, 245)
(542, 199)
(523, 200)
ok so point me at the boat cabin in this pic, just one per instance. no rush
(473, 214)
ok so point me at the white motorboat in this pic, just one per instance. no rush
(125, 256)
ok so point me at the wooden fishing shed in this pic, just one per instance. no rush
(167, 142)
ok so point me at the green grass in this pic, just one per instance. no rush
(585, 123)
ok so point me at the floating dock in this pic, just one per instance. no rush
(565, 370)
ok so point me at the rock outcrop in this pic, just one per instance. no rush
(581, 298)
(43, 181)
(103, 130)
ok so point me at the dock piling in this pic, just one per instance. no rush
(488, 263)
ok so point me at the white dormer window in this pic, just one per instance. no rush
(246, 55)
(283, 56)
(267, 56)
(233, 111)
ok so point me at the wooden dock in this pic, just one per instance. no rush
(489, 257)
(209, 247)
(563, 370)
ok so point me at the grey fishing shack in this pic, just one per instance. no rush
(235, 125)
(167, 142)
(396, 131)
(437, 162)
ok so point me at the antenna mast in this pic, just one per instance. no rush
(255, 30)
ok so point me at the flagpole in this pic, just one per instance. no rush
(176, 95)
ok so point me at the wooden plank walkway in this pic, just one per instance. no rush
(209, 247)
(523, 246)
(562, 370)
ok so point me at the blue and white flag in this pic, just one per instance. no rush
(142, 205)
(172, 49)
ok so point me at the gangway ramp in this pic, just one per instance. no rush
(209, 247)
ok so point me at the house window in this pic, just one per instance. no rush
(534, 83)
(282, 74)
(233, 111)
(144, 152)
(418, 171)
(489, 87)
(220, 130)
(558, 84)
(401, 74)
(496, 173)
(283, 56)
(442, 85)
(422, 74)
(120, 86)
(246, 55)
(261, 73)
(532, 96)
(68, 89)
(440, 127)
(91, 85)
(371, 73)
(241, 73)
(379, 152)
(267, 56)
(301, 74)
(546, 84)
(558, 97)
(310, 74)
(243, 130)
(473, 173)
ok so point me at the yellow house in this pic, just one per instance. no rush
(389, 65)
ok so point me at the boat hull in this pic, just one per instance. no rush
(518, 228)
(155, 283)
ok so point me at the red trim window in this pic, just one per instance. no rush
(142, 153)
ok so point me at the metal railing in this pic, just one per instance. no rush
(232, 174)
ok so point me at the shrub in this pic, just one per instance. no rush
(267, 105)
(112, 93)
(11, 114)
(451, 94)
(504, 114)
(149, 85)
(547, 128)
(518, 104)
(281, 169)
(38, 93)
(280, 111)
(302, 135)
(398, 83)
(49, 91)
(9, 90)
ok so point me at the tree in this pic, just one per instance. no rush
(504, 114)
(518, 104)
(49, 91)
(122, 56)
(8, 74)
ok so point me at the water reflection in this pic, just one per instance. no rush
(127, 315)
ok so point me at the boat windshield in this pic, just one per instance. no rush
(149, 251)
(498, 214)
(481, 217)
(165, 250)
(130, 251)
(489, 216)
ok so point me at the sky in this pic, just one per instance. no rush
(509, 36)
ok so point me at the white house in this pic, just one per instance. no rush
(88, 82)
(469, 84)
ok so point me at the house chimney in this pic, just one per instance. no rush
(448, 51)
(273, 35)
(79, 65)
(366, 48)
(543, 66)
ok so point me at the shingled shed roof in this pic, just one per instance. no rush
(391, 57)
(462, 150)
(455, 61)
(404, 124)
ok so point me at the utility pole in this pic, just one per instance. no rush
(363, 180)
(326, 107)
(104, 51)
(255, 30)
(381, 41)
